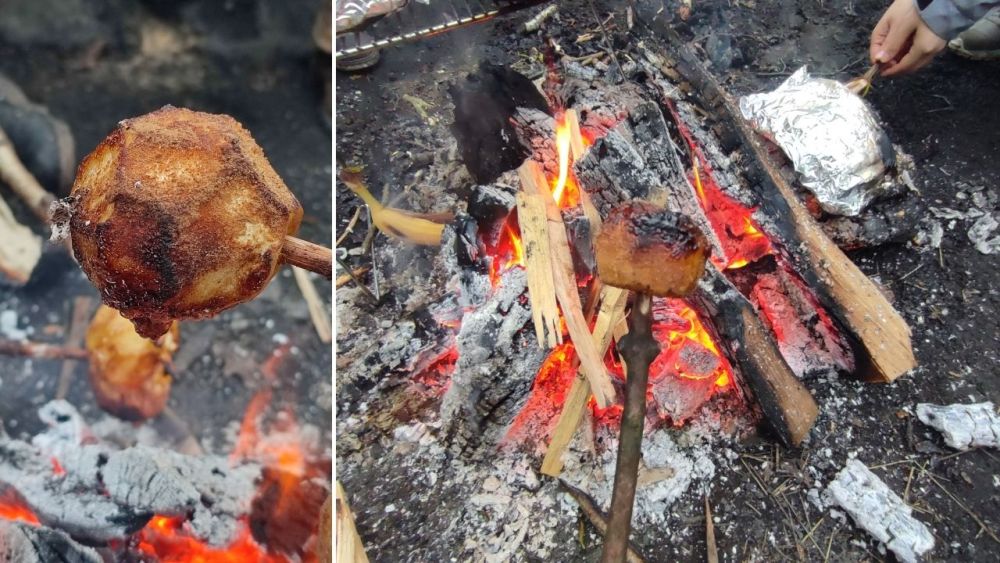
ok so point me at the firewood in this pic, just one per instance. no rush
(538, 264)
(882, 335)
(576, 145)
(591, 363)
(350, 549)
(612, 310)
(21, 248)
(784, 400)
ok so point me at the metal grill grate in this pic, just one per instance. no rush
(418, 20)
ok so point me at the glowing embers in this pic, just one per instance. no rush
(165, 540)
(537, 419)
(507, 251)
(739, 235)
(11, 508)
(690, 368)
(688, 350)
(687, 373)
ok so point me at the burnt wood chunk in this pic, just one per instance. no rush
(25, 543)
(785, 402)
(485, 102)
(498, 359)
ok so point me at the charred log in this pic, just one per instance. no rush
(484, 105)
(97, 494)
(498, 359)
(25, 543)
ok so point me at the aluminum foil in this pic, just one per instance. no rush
(831, 136)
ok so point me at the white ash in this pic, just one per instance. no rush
(8, 326)
(876, 508)
(104, 494)
(984, 236)
(963, 426)
(665, 473)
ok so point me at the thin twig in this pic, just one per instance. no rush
(79, 321)
(350, 226)
(317, 311)
(357, 281)
(713, 550)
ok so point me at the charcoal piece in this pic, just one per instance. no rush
(24, 543)
(284, 518)
(498, 358)
(580, 233)
(680, 398)
(883, 222)
(485, 102)
(489, 204)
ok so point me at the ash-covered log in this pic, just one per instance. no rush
(24, 543)
(98, 494)
(498, 356)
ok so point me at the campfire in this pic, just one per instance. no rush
(526, 354)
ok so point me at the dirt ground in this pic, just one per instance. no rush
(946, 117)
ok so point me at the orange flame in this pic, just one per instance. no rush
(565, 190)
(508, 252)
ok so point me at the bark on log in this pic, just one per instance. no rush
(881, 336)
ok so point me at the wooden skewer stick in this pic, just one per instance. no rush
(41, 351)
(308, 256)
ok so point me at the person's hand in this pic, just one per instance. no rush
(902, 42)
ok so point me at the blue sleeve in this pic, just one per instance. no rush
(948, 18)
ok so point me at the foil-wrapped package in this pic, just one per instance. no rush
(831, 136)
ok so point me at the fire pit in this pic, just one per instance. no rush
(480, 366)
(212, 443)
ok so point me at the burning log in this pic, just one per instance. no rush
(178, 214)
(786, 403)
(25, 543)
(128, 373)
(637, 245)
(497, 359)
(880, 334)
